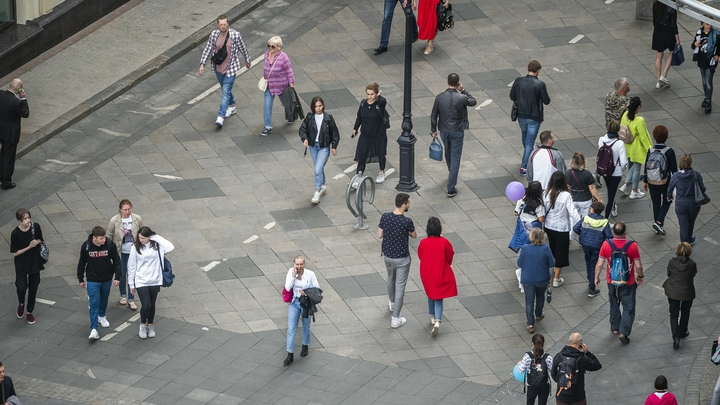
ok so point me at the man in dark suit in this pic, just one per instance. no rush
(13, 107)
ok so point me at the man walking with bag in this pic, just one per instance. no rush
(224, 45)
(450, 116)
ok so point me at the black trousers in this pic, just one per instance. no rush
(147, 296)
(679, 309)
(612, 183)
(29, 283)
(541, 395)
(660, 203)
(7, 161)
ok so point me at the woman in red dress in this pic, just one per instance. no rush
(427, 20)
(436, 255)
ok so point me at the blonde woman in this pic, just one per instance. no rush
(279, 74)
(123, 228)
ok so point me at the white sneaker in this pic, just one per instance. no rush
(432, 320)
(657, 85)
(103, 321)
(323, 190)
(391, 305)
(397, 322)
(94, 335)
(624, 189)
(665, 81)
(316, 197)
(219, 122)
(380, 178)
(150, 331)
(557, 282)
(614, 211)
(436, 328)
(230, 111)
(143, 332)
(636, 195)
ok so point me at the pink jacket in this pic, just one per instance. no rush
(281, 75)
(667, 398)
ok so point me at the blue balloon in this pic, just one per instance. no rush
(517, 374)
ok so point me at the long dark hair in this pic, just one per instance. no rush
(556, 185)
(538, 342)
(533, 195)
(635, 103)
(146, 232)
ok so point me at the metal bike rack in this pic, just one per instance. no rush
(360, 197)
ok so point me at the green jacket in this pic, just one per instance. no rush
(637, 150)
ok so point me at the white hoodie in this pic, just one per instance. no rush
(619, 153)
(563, 216)
(145, 268)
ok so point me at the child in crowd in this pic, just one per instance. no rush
(531, 214)
(593, 230)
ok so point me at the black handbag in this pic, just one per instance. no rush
(444, 17)
(220, 55)
(44, 251)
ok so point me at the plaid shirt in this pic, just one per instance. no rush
(237, 46)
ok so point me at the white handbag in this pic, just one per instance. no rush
(263, 82)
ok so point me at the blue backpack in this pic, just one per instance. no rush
(619, 264)
(167, 275)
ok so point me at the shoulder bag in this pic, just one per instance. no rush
(584, 186)
(220, 55)
(44, 251)
(167, 274)
(514, 112)
(445, 19)
(678, 56)
(700, 197)
(263, 82)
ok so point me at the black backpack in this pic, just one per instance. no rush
(567, 375)
(537, 377)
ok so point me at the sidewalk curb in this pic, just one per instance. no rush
(108, 94)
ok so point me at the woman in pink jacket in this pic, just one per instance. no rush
(661, 396)
(279, 74)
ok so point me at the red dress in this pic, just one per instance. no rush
(427, 19)
(436, 255)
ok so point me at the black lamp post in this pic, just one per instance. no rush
(407, 138)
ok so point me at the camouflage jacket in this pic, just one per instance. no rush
(615, 106)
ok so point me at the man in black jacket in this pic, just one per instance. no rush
(6, 386)
(13, 107)
(530, 94)
(99, 260)
(449, 115)
(577, 354)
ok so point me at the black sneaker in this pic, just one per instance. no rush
(658, 229)
(594, 293)
(266, 132)
(452, 194)
(705, 103)
(380, 49)
(624, 339)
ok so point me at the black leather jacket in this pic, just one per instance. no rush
(449, 112)
(329, 135)
(530, 94)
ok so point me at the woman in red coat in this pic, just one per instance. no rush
(436, 255)
(427, 20)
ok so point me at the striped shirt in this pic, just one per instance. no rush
(281, 75)
(238, 46)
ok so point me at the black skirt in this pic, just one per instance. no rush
(559, 243)
(662, 40)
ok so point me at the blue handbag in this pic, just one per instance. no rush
(167, 275)
(436, 150)
(678, 56)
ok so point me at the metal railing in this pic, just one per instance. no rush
(360, 197)
(696, 9)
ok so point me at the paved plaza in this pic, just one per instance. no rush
(237, 207)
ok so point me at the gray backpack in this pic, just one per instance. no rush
(657, 167)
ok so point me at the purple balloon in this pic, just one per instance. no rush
(515, 191)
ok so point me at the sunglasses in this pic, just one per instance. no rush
(272, 46)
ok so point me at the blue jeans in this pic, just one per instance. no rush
(397, 270)
(267, 109)
(633, 175)
(707, 81)
(123, 278)
(626, 295)
(435, 308)
(591, 258)
(226, 83)
(98, 292)
(453, 152)
(529, 129)
(534, 296)
(294, 313)
(320, 157)
(387, 21)
(686, 216)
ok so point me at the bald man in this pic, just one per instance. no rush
(13, 107)
(575, 356)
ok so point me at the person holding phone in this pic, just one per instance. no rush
(13, 107)
(297, 280)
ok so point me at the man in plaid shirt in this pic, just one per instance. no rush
(225, 72)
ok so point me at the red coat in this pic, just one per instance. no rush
(436, 255)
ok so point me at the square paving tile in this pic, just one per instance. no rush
(484, 188)
(467, 11)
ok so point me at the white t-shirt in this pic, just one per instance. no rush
(128, 238)
(318, 124)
